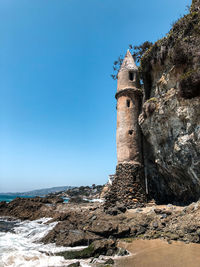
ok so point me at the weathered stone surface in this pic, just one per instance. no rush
(105, 247)
(195, 5)
(173, 143)
(97, 248)
(127, 188)
(76, 264)
(128, 131)
(88, 192)
(129, 97)
(82, 225)
(124, 80)
(29, 208)
(128, 184)
(77, 199)
(171, 113)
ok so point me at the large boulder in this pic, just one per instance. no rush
(97, 248)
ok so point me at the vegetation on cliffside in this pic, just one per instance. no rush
(181, 48)
(170, 124)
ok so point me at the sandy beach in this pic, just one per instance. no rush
(158, 253)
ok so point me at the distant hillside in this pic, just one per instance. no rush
(40, 192)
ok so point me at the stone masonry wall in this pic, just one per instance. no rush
(128, 187)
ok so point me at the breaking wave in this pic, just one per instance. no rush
(20, 247)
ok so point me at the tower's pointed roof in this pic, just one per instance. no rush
(128, 62)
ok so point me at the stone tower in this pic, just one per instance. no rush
(129, 97)
(128, 186)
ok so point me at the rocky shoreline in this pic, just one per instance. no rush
(87, 224)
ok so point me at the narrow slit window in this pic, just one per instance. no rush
(130, 132)
(131, 76)
(128, 103)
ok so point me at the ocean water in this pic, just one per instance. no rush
(20, 246)
(9, 198)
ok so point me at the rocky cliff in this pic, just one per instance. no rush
(170, 120)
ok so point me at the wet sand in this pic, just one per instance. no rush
(158, 253)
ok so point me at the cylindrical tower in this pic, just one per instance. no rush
(128, 185)
(129, 98)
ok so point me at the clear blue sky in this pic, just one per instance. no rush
(57, 105)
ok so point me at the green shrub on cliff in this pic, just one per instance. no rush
(181, 48)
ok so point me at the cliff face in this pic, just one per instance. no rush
(170, 120)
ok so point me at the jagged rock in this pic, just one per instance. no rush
(109, 262)
(171, 130)
(103, 227)
(105, 247)
(76, 264)
(65, 234)
(7, 227)
(49, 199)
(77, 200)
(24, 208)
(173, 135)
(89, 192)
(97, 248)
(112, 211)
(121, 207)
(123, 230)
(122, 252)
(160, 211)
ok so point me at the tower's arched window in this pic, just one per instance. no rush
(128, 103)
(131, 76)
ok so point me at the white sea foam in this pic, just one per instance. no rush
(97, 200)
(20, 248)
(94, 200)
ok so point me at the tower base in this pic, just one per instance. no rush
(128, 186)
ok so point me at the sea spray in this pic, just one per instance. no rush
(21, 247)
